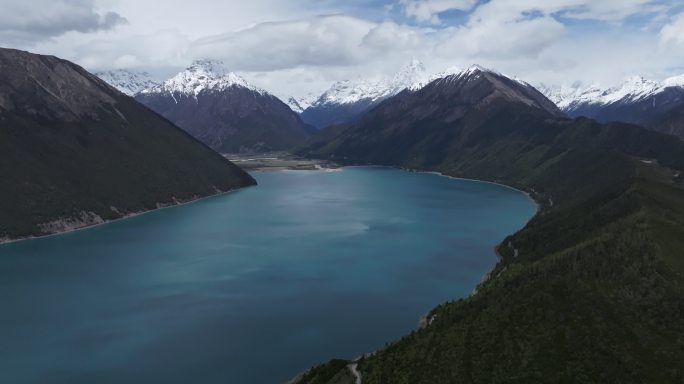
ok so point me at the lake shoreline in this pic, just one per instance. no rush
(179, 203)
(427, 319)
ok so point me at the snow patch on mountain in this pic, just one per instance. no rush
(373, 90)
(300, 104)
(412, 77)
(675, 81)
(633, 89)
(202, 75)
(128, 81)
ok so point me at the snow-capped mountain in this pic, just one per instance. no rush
(202, 75)
(300, 104)
(425, 81)
(128, 81)
(439, 122)
(224, 111)
(633, 90)
(637, 100)
(347, 99)
(347, 91)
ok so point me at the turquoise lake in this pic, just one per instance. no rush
(252, 286)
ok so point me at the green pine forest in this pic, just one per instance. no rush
(589, 291)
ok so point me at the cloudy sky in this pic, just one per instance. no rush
(298, 46)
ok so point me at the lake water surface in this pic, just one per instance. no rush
(249, 287)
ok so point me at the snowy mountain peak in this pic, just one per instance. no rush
(300, 104)
(675, 81)
(412, 73)
(128, 81)
(412, 76)
(475, 68)
(203, 75)
(634, 88)
(347, 91)
(427, 80)
(472, 72)
(563, 95)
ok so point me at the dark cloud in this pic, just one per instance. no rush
(36, 20)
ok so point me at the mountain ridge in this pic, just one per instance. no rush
(347, 99)
(637, 100)
(634, 88)
(77, 152)
(224, 111)
(202, 75)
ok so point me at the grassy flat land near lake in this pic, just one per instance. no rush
(277, 162)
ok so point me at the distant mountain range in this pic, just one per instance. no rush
(346, 100)
(656, 105)
(420, 128)
(227, 113)
(75, 152)
(224, 111)
(637, 100)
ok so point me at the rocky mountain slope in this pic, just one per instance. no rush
(671, 122)
(224, 111)
(77, 152)
(412, 126)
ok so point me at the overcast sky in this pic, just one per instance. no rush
(297, 46)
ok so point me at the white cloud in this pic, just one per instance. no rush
(429, 10)
(673, 32)
(290, 47)
(157, 51)
(389, 37)
(319, 41)
(492, 38)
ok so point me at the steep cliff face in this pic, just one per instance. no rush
(75, 151)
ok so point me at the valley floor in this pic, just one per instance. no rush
(277, 161)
